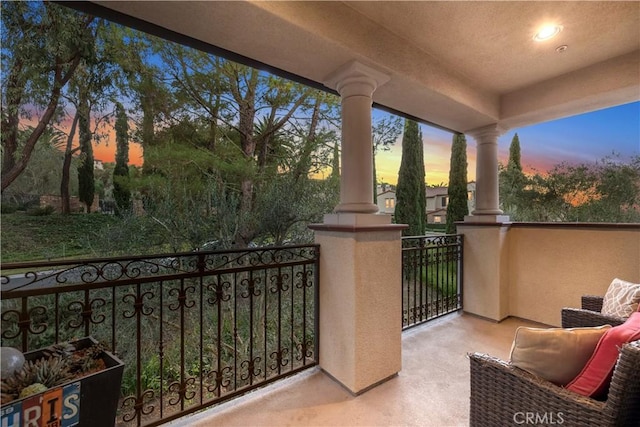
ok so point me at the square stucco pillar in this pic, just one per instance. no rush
(485, 287)
(360, 302)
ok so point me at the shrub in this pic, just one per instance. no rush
(7, 209)
(41, 211)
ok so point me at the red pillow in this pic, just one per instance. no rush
(595, 377)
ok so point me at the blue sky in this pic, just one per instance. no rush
(579, 139)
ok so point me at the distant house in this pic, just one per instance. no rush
(437, 201)
(387, 202)
(386, 195)
(98, 164)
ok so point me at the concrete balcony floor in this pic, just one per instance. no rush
(431, 390)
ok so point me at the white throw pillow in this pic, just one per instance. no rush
(555, 354)
(621, 299)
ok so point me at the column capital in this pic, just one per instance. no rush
(486, 134)
(355, 78)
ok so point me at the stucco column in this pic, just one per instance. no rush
(356, 83)
(487, 195)
(360, 254)
(486, 285)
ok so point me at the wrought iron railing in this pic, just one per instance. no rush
(193, 329)
(431, 277)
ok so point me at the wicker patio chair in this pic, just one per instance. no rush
(503, 395)
(589, 315)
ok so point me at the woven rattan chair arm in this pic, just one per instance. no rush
(624, 393)
(575, 318)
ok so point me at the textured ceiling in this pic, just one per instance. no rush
(460, 65)
(491, 42)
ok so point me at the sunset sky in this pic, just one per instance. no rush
(106, 151)
(578, 139)
(585, 138)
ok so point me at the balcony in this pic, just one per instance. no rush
(511, 270)
(431, 390)
(181, 365)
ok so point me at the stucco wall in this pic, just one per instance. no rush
(551, 266)
(485, 287)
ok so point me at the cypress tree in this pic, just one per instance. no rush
(86, 182)
(513, 182)
(411, 195)
(335, 162)
(457, 207)
(121, 192)
(514, 154)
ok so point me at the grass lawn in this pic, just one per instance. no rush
(30, 238)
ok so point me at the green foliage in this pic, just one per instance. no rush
(185, 197)
(287, 206)
(514, 154)
(512, 182)
(411, 189)
(605, 191)
(442, 277)
(457, 207)
(7, 209)
(335, 162)
(41, 211)
(43, 173)
(436, 228)
(42, 46)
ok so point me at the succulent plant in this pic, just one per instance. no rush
(33, 389)
(61, 363)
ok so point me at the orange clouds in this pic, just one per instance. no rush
(106, 152)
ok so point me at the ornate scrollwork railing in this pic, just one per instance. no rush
(431, 277)
(193, 329)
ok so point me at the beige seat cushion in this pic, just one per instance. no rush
(555, 354)
(621, 299)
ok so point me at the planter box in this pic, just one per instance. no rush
(89, 401)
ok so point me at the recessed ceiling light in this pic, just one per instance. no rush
(547, 32)
(562, 48)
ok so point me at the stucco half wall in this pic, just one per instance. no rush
(547, 267)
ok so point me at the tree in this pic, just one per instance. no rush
(42, 174)
(411, 189)
(617, 184)
(65, 196)
(457, 207)
(335, 164)
(512, 181)
(605, 191)
(86, 181)
(42, 46)
(97, 78)
(243, 105)
(121, 192)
